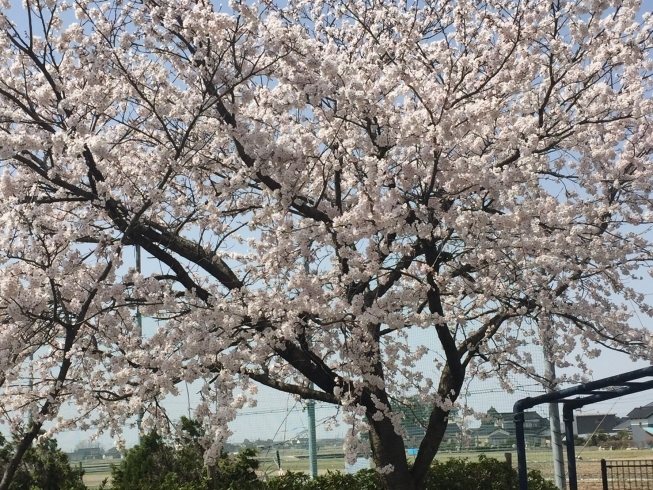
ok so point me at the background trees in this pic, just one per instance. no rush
(313, 182)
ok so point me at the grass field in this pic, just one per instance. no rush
(588, 465)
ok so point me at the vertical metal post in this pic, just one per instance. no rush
(139, 333)
(568, 417)
(312, 439)
(556, 446)
(604, 474)
(310, 410)
(554, 421)
(30, 384)
(521, 448)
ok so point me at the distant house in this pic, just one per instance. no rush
(84, 453)
(533, 421)
(537, 429)
(415, 419)
(640, 419)
(499, 437)
(624, 424)
(498, 429)
(489, 435)
(300, 443)
(453, 434)
(112, 453)
(586, 425)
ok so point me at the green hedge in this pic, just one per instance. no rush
(155, 464)
(454, 474)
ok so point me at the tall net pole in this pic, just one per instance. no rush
(139, 334)
(554, 421)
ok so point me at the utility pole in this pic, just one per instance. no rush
(312, 440)
(139, 334)
(554, 421)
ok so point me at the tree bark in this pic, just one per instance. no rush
(24, 445)
(388, 449)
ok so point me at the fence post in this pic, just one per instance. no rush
(568, 417)
(211, 473)
(604, 474)
(522, 470)
(509, 473)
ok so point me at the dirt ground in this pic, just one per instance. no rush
(588, 467)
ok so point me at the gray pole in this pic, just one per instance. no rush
(30, 383)
(554, 421)
(139, 333)
(312, 441)
(310, 409)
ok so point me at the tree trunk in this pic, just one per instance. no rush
(388, 449)
(21, 449)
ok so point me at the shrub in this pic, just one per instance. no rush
(453, 474)
(155, 464)
(44, 466)
(484, 474)
(238, 472)
(146, 466)
(363, 480)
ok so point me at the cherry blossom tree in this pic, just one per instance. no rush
(315, 181)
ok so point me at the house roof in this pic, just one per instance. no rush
(484, 430)
(452, 429)
(623, 425)
(499, 431)
(641, 412)
(528, 415)
(89, 450)
(588, 424)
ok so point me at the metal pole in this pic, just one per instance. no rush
(139, 333)
(312, 440)
(521, 448)
(604, 474)
(30, 384)
(554, 422)
(556, 446)
(568, 417)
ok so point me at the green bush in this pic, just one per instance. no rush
(238, 472)
(44, 467)
(484, 474)
(453, 474)
(147, 466)
(155, 464)
(363, 480)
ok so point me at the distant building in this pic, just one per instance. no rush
(84, 453)
(641, 418)
(416, 419)
(624, 424)
(498, 429)
(533, 421)
(112, 453)
(490, 435)
(586, 425)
